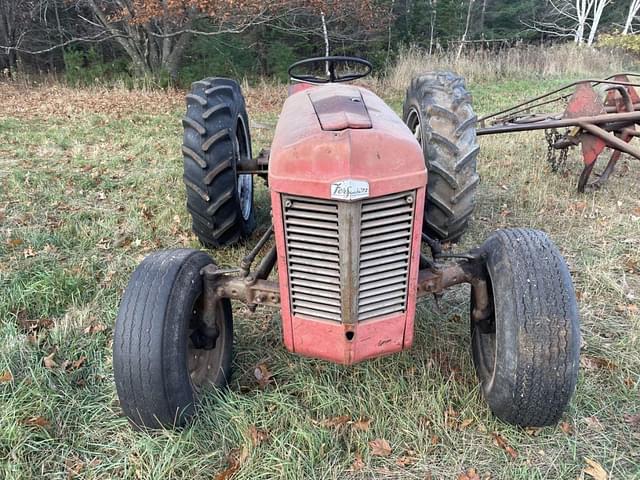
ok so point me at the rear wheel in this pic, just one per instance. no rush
(216, 138)
(438, 110)
(164, 354)
(527, 354)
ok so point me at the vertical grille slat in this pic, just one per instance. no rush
(315, 232)
(385, 250)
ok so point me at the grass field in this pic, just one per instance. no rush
(90, 183)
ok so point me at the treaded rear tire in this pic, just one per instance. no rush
(216, 130)
(528, 365)
(152, 346)
(441, 105)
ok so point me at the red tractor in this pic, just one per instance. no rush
(351, 211)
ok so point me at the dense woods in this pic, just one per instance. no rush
(178, 40)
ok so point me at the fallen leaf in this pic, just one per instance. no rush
(34, 326)
(95, 328)
(593, 423)
(380, 447)
(357, 464)
(76, 364)
(29, 252)
(6, 377)
(257, 436)
(594, 363)
(595, 470)
(435, 439)
(533, 431)
(74, 467)
(235, 459)
(578, 206)
(566, 427)
(38, 421)
(335, 422)
(362, 424)
(502, 443)
(406, 460)
(14, 242)
(263, 375)
(466, 423)
(451, 417)
(146, 212)
(470, 474)
(633, 420)
(48, 361)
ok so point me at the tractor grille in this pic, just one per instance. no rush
(314, 230)
(384, 255)
(313, 255)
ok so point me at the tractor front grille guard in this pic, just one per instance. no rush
(348, 261)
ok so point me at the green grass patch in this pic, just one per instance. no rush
(84, 199)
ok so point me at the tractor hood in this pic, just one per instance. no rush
(343, 142)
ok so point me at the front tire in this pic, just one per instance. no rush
(158, 370)
(527, 354)
(438, 110)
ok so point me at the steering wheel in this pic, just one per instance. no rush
(330, 64)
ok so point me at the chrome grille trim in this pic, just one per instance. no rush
(348, 261)
(385, 252)
(313, 256)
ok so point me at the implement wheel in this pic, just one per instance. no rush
(164, 353)
(438, 110)
(527, 354)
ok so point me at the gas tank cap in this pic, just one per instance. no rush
(340, 108)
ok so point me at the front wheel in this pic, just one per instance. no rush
(164, 354)
(527, 354)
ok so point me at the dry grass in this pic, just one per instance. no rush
(85, 194)
(528, 62)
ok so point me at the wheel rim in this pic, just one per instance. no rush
(413, 122)
(205, 365)
(245, 181)
(485, 348)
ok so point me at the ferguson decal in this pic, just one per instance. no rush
(350, 189)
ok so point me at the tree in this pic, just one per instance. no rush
(598, 8)
(570, 18)
(634, 7)
(155, 33)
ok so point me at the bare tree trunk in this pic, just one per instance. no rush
(633, 11)
(583, 9)
(482, 17)
(597, 15)
(326, 41)
(466, 30)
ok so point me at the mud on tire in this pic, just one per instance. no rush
(527, 354)
(438, 110)
(216, 136)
